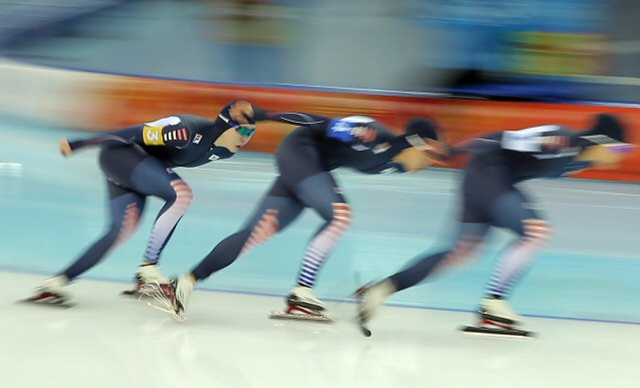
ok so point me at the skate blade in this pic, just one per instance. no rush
(363, 326)
(302, 317)
(160, 301)
(497, 332)
(499, 320)
(175, 316)
(63, 305)
(134, 294)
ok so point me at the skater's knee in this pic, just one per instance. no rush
(341, 217)
(463, 251)
(182, 195)
(266, 226)
(112, 233)
(536, 230)
(122, 231)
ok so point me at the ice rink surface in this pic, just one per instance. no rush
(582, 297)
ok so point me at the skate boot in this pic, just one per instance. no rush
(172, 297)
(496, 310)
(148, 274)
(370, 298)
(51, 293)
(302, 304)
(302, 298)
(496, 318)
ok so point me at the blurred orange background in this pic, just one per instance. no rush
(128, 101)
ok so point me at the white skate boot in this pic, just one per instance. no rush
(497, 310)
(303, 297)
(148, 274)
(172, 297)
(302, 304)
(182, 288)
(51, 293)
(496, 318)
(371, 297)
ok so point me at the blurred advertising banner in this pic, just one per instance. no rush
(98, 102)
(127, 101)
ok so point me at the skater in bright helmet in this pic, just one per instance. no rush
(305, 160)
(491, 198)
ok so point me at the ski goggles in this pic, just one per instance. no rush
(245, 131)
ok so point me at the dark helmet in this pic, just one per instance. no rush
(606, 129)
(423, 127)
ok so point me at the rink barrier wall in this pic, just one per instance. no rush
(97, 102)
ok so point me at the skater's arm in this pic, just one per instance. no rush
(293, 118)
(482, 144)
(243, 112)
(391, 167)
(542, 140)
(123, 136)
(166, 132)
(397, 156)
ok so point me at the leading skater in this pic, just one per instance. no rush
(305, 160)
(138, 162)
(491, 198)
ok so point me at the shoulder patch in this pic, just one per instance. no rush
(152, 135)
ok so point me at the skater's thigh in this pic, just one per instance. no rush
(471, 232)
(321, 193)
(151, 177)
(131, 167)
(512, 210)
(118, 162)
(297, 159)
(279, 204)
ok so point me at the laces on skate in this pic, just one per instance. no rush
(164, 299)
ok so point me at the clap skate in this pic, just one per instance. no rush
(51, 294)
(370, 297)
(304, 306)
(135, 291)
(171, 297)
(496, 319)
(147, 274)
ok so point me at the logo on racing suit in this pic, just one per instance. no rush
(380, 148)
(152, 135)
(389, 170)
(360, 147)
(366, 134)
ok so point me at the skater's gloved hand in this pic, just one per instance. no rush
(437, 151)
(413, 159)
(64, 148)
(241, 112)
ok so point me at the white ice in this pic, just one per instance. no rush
(111, 341)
